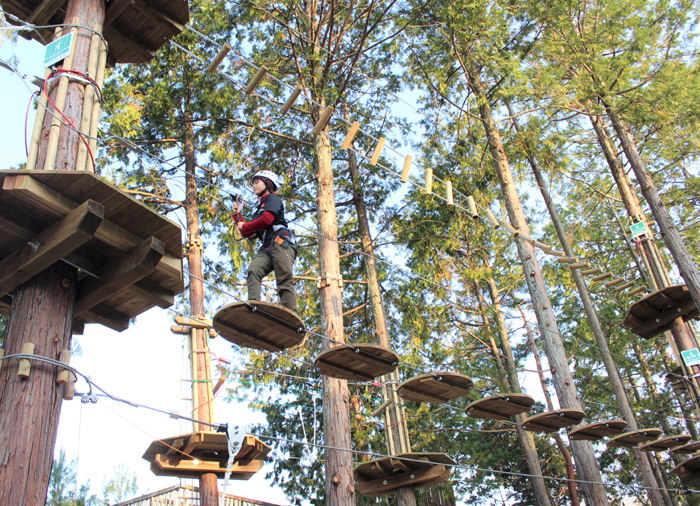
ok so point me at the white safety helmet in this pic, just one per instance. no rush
(268, 174)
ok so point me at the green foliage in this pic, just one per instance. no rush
(122, 485)
(63, 487)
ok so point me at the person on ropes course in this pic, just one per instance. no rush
(278, 250)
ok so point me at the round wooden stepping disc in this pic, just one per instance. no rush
(631, 439)
(360, 362)
(666, 443)
(598, 430)
(691, 447)
(382, 476)
(500, 407)
(259, 325)
(552, 421)
(436, 388)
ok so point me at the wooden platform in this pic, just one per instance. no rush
(552, 421)
(129, 257)
(689, 472)
(651, 315)
(692, 447)
(633, 438)
(436, 388)
(190, 455)
(259, 325)
(500, 407)
(359, 362)
(134, 29)
(383, 476)
(666, 443)
(598, 430)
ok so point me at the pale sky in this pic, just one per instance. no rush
(144, 364)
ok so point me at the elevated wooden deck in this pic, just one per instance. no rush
(652, 315)
(129, 257)
(134, 29)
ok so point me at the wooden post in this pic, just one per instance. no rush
(395, 424)
(340, 482)
(42, 312)
(202, 394)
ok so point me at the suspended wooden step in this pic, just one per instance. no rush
(259, 325)
(552, 421)
(190, 455)
(133, 30)
(632, 438)
(691, 447)
(129, 258)
(598, 430)
(436, 388)
(652, 315)
(689, 472)
(677, 380)
(359, 362)
(666, 443)
(500, 407)
(383, 476)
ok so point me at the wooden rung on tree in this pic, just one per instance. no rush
(614, 282)
(255, 82)
(377, 151)
(323, 120)
(350, 135)
(428, 181)
(492, 218)
(290, 101)
(636, 290)
(472, 207)
(624, 286)
(588, 272)
(601, 277)
(448, 193)
(579, 265)
(25, 365)
(64, 374)
(567, 260)
(225, 49)
(406, 168)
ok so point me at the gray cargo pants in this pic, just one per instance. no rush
(281, 260)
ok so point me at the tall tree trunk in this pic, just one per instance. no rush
(202, 395)
(563, 449)
(674, 241)
(616, 383)
(42, 314)
(510, 377)
(340, 483)
(584, 455)
(682, 338)
(395, 425)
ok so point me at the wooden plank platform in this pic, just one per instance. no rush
(598, 430)
(500, 407)
(383, 476)
(259, 325)
(131, 261)
(632, 438)
(552, 421)
(652, 315)
(190, 455)
(359, 362)
(692, 447)
(436, 388)
(134, 29)
(666, 443)
(689, 472)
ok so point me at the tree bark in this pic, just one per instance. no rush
(42, 314)
(584, 455)
(202, 395)
(616, 383)
(510, 376)
(395, 426)
(340, 482)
